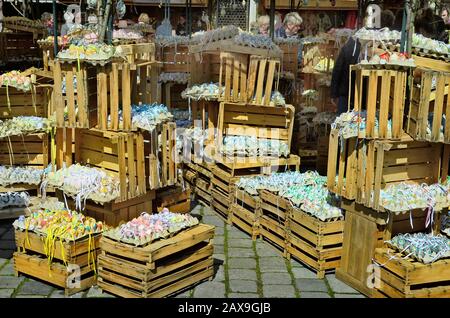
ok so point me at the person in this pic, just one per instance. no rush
(431, 26)
(349, 55)
(263, 25)
(291, 25)
(181, 26)
(445, 16)
(47, 20)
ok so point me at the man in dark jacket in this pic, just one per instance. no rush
(348, 55)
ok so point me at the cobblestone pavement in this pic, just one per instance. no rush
(243, 269)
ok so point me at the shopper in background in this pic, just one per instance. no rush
(263, 25)
(291, 26)
(349, 55)
(181, 26)
(444, 15)
(431, 26)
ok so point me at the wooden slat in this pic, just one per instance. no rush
(131, 165)
(384, 104)
(269, 82)
(70, 100)
(126, 96)
(424, 105)
(260, 81)
(114, 96)
(371, 103)
(83, 118)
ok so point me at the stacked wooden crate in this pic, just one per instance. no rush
(249, 120)
(93, 133)
(158, 269)
(29, 150)
(315, 243)
(59, 265)
(383, 155)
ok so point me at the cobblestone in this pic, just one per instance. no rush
(272, 264)
(33, 287)
(240, 252)
(6, 292)
(240, 243)
(242, 274)
(314, 295)
(302, 272)
(244, 286)
(243, 295)
(7, 270)
(241, 262)
(210, 290)
(279, 291)
(276, 278)
(349, 296)
(311, 285)
(10, 281)
(339, 287)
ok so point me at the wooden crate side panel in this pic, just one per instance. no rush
(27, 150)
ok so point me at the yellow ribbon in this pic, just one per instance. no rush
(7, 98)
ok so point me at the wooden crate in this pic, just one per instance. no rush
(171, 95)
(143, 65)
(120, 153)
(175, 199)
(202, 182)
(36, 102)
(315, 243)
(160, 153)
(364, 168)
(365, 230)
(116, 213)
(274, 220)
(80, 103)
(114, 86)
(159, 269)
(204, 67)
(429, 104)
(227, 172)
(342, 165)
(205, 114)
(28, 150)
(245, 212)
(407, 278)
(248, 79)
(380, 91)
(18, 44)
(33, 261)
(175, 58)
(390, 162)
(248, 120)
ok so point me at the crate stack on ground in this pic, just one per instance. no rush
(99, 130)
(58, 247)
(158, 268)
(268, 212)
(23, 148)
(373, 158)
